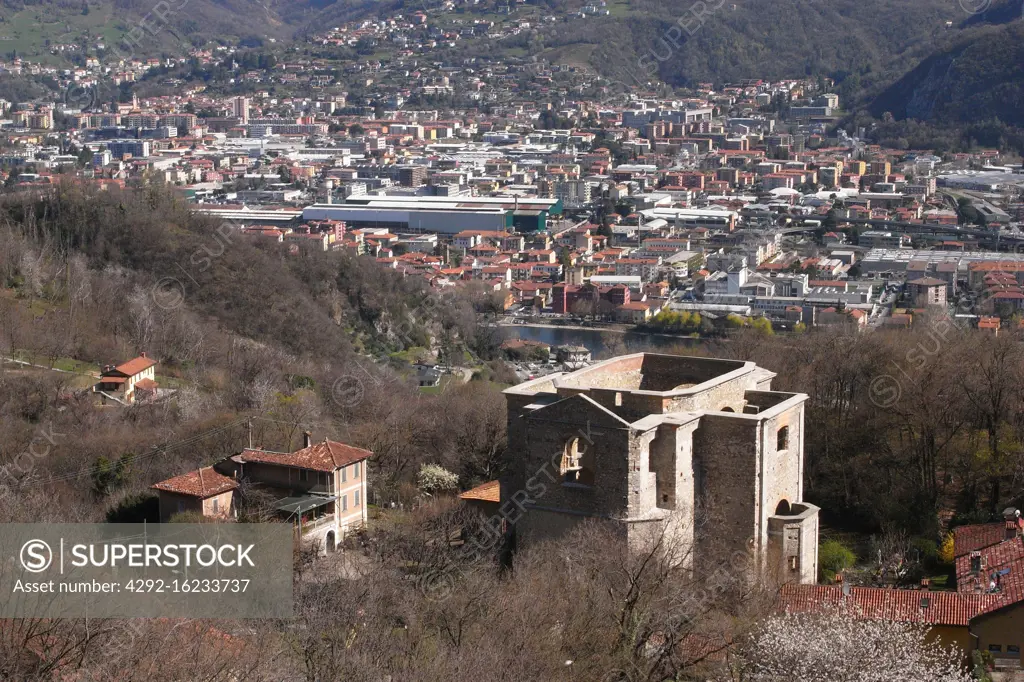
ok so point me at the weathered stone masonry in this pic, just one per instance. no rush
(699, 446)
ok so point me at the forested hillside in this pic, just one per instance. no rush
(763, 39)
(979, 78)
(300, 340)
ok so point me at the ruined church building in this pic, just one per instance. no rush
(699, 446)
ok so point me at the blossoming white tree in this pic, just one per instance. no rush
(838, 645)
(433, 479)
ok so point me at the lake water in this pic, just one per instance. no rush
(596, 340)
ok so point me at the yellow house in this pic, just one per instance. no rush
(129, 381)
(990, 563)
(985, 614)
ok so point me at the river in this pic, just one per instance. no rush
(596, 340)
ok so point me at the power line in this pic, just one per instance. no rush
(93, 469)
(90, 470)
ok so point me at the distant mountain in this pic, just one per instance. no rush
(978, 78)
(37, 28)
(773, 39)
(927, 59)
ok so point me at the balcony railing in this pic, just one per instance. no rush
(309, 526)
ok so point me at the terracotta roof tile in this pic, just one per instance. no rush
(967, 539)
(200, 483)
(136, 365)
(326, 456)
(916, 606)
(1002, 569)
(486, 492)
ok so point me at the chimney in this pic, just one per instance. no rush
(926, 584)
(307, 439)
(1013, 523)
(1011, 530)
(143, 353)
(975, 562)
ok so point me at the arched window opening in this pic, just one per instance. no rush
(782, 439)
(577, 465)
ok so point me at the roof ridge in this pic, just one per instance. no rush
(330, 451)
(273, 452)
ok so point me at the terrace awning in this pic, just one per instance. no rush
(303, 503)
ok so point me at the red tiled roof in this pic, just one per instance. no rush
(487, 492)
(146, 384)
(967, 539)
(200, 483)
(916, 606)
(988, 323)
(1001, 574)
(136, 365)
(994, 557)
(326, 456)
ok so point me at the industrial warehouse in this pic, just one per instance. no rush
(442, 215)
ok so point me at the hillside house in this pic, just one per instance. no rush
(204, 491)
(986, 613)
(128, 382)
(321, 488)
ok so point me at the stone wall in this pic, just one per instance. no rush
(704, 462)
(726, 460)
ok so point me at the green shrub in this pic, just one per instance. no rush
(135, 508)
(833, 557)
(927, 548)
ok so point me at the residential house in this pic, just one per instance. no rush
(321, 488)
(989, 324)
(947, 614)
(986, 613)
(927, 291)
(851, 316)
(128, 382)
(573, 356)
(427, 375)
(634, 312)
(204, 491)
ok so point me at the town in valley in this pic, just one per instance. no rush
(553, 365)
